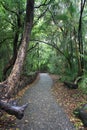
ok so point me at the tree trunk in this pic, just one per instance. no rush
(80, 41)
(11, 82)
(15, 46)
(12, 60)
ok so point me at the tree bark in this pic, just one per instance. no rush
(80, 41)
(12, 60)
(17, 111)
(11, 82)
(15, 45)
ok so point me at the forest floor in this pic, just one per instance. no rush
(69, 99)
(43, 111)
(66, 98)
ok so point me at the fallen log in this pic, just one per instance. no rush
(17, 111)
(71, 85)
(74, 84)
(81, 113)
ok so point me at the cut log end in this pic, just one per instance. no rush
(17, 111)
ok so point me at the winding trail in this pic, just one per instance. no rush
(43, 113)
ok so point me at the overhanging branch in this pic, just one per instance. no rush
(55, 21)
(41, 15)
(44, 4)
(53, 45)
(32, 47)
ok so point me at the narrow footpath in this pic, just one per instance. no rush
(43, 113)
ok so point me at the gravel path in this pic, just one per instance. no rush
(43, 113)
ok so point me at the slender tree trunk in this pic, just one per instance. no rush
(12, 81)
(80, 41)
(11, 62)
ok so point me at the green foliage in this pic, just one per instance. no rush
(9, 10)
(55, 65)
(83, 84)
(56, 24)
(63, 17)
(4, 56)
(72, 9)
(68, 75)
(38, 58)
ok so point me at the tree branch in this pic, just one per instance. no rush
(6, 8)
(32, 47)
(55, 21)
(41, 15)
(53, 45)
(44, 4)
(5, 40)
